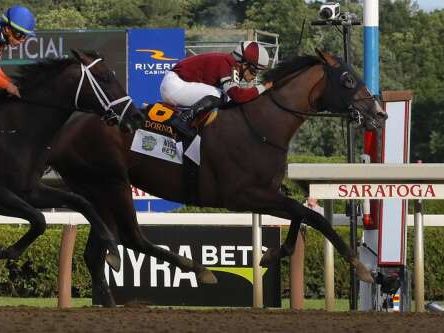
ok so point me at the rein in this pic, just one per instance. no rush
(298, 113)
(295, 113)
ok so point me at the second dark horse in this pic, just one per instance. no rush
(243, 160)
(51, 91)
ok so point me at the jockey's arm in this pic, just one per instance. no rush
(239, 94)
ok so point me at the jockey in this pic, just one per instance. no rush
(201, 81)
(16, 24)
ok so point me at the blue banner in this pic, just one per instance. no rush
(151, 52)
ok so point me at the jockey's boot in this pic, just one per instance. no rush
(181, 123)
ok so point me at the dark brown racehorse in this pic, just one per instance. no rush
(51, 92)
(243, 160)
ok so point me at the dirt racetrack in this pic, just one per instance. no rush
(146, 319)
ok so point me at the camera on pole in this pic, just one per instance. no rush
(330, 11)
(330, 14)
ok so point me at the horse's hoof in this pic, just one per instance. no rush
(362, 272)
(113, 260)
(9, 253)
(186, 264)
(207, 277)
(270, 257)
(109, 303)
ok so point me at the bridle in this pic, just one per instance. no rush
(354, 114)
(110, 116)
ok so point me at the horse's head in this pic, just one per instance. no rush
(98, 89)
(346, 92)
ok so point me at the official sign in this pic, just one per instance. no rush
(52, 44)
(377, 191)
(226, 250)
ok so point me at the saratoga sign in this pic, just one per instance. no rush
(377, 191)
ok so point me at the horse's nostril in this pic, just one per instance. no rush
(382, 115)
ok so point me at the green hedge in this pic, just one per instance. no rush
(35, 273)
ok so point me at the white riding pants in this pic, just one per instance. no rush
(176, 91)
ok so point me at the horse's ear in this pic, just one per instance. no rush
(327, 58)
(78, 54)
(321, 55)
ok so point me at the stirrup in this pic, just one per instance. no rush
(186, 115)
(182, 126)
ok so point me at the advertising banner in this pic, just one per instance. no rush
(110, 44)
(225, 250)
(151, 52)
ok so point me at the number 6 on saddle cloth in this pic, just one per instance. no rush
(159, 138)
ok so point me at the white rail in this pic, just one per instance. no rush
(369, 173)
(72, 218)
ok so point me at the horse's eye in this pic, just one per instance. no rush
(347, 80)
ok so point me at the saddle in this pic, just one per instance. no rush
(160, 115)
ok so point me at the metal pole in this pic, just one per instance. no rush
(297, 272)
(329, 262)
(258, 299)
(419, 257)
(354, 286)
(65, 265)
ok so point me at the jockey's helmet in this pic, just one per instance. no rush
(20, 19)
(253, 54)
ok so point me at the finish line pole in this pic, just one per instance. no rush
(258, 298)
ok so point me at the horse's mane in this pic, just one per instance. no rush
(29, 76)
(289, 66)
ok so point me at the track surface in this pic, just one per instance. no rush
(145, 319)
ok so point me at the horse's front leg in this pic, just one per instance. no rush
(14, 206)
(273, 255)
(94, 256)
(47, 197)
(273, 203)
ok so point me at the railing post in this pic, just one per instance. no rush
(65, 265)
(419, 257)
(329, 262)
(258, 299)
(297, 272)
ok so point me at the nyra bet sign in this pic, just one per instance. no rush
(226, 250)
(377, 191)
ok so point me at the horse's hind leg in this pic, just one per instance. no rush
(14, 206)
(140, 244)
(266, 202)
(122, 212)
(47, 197)
(94, 256)
(113, 201)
